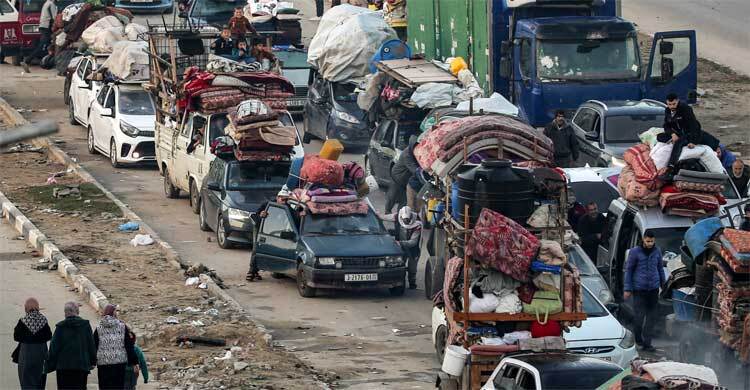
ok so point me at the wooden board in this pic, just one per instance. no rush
(505, 317)
(414, 73)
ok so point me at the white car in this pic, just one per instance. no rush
(82, 91)
(600, 336)
(121, 124)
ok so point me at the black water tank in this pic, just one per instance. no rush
(495, 185)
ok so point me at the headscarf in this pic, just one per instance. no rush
(110, 310)
(34, 320)
(407, 218)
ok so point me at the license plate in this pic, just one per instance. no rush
(295, 102)
(607, 358)
(141, 1)
(361, 277)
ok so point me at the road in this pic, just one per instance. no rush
(721, 25)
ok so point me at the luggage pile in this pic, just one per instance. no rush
(653, 375)
(696, 190)
(257, 133)
(209, 92)
(732, 269)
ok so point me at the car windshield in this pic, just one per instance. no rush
(591, 306)
(344, 92)
(5, 7)
(576, 379)
(625, 128)
(298, 77)
(213, 11)
(588, 59)
(253, 175)
(342, 224)
(579, 259)
(598, 192)
(135, 102)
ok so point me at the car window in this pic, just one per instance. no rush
(380, 133)
(580, 260)
(102, 95)
(609, 230)
(343, 224)
(257, 175)
(571, 379)
(199, 125)
(136, 102)
(626, 128)
(390, 128)
(320, 86)
(591, 306)
(110, 102)
(188, 125)
(81, 71)
(344, 92)
(598, 192)
(526, 381)
(89, 69)
(217, 124)
(525, 58)
(585, 119)
(680, 56)
(5, 7)
(506, 379)
(276, 221)
(404, 134)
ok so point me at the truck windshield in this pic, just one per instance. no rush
(588, 59)
(31, 6)
(625, 128)
(342, 224)
(135, 103)
(253, 175)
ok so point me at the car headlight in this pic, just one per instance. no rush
(394, 261)
(326, 260)
(628, 341)
(30, 29)
(129, 130)
(346, 117)
(605, 296)
(616, 162)
(238, 214)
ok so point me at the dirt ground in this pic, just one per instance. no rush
(147, 289)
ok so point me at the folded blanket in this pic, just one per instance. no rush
(333, 198)
(712, 176)
(729, 246)
(634, 191)
(696, 186)
(689, 200)
(639, 160)
(740, 239)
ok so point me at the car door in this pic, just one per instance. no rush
(504, 378)
(586, 126)
(381, 142)
(275, 247)
(108, 123)
(82, 88)
(524, 73)
(95, 121)
(212, 201)
(672, 66)
(317, 103)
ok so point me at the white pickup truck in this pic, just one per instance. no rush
(183, 171)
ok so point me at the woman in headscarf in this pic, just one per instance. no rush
(32, 333)
(114, 350)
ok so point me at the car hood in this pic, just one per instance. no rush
(250, 200)
(618, 150)
(341, 246)
(596, 328)
(142, 122)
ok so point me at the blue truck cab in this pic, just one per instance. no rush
(323, 251)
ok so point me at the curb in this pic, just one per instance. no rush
(95, 297)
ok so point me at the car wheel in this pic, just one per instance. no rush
(306, 138)
(278, 275)
(194, 197)
(113, 154)
(398, 290)
(221, 234)
(304, 290)
(428, 293)
(441, 341)
(90, 141)
(170, 191)
(66, 90)
(71, 114)
(17, 59)
(202, 223)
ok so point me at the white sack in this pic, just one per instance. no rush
(105, 40)
(648, 137)
(660, 154)
(70, 11)
(707, 156)
(471, 88)
(89, 35)
(60, 39)
(344, 52)
(142, 239)
(662, 369)
(485, 304)
(328, 22)
(129, 60)
(509, 303)
(133, 30)
(496, 103)
(433, 95)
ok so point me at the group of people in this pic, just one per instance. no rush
(233, 42)
(74, 350)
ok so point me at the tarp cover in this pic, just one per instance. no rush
(346, 39)
(103, 34)
(129, 60)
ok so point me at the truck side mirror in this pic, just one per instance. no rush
(666, 48)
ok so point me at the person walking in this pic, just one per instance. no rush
(132, 371)
(72, 352)
(402, 171)
(644, 275)
(114, 350)
(590, 228)
(563, 139)
(32, 333)
(408, 233)
(682, 129)
(46, 19)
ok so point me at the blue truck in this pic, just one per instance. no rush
(545, 55)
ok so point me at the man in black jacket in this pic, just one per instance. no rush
(681, 127)
(564, 140)
(589, 229)
(405, 167)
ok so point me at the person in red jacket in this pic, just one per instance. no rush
(240, 26)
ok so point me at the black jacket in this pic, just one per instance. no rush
(564, 140)
(72, 346)
(406, 165)
(589, 227)
(742, 181)
(683, 123)
(22, 334)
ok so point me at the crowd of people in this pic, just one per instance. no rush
(75, 350)
(233, 42)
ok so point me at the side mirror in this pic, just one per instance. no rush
(613, 308)
(213, 186)
(592, 136)
(288, 235)
(86, 85)
(666, 48)
(108, 112)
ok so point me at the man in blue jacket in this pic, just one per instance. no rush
(644, 275)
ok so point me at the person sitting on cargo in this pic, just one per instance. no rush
(240, 26)
(740, 176)
(197, 135)
(590, 228)
(260, 53)
(408, 233)
(682, 129)
(223, 45)
(563, 139)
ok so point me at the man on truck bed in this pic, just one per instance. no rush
(644, 275)
(682, 127)
(564, 140)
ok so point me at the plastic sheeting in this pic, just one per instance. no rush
(346, 39)
(496, 103)
(102, 35)
(129, 60)
(433, 95)
(134, 30)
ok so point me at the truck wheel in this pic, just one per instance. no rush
(202, 224)
(194, 197)
(304, 290)
(428, 293)
(278, 275)
(221, 234)
(441, 341)
(170, 191)
(398, 290)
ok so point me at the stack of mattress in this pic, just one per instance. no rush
(733, 286)
(257, 133)
(693, 194)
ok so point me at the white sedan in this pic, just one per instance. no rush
(82, 90)
(121, 124)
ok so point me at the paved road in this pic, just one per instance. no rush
(721, 25)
